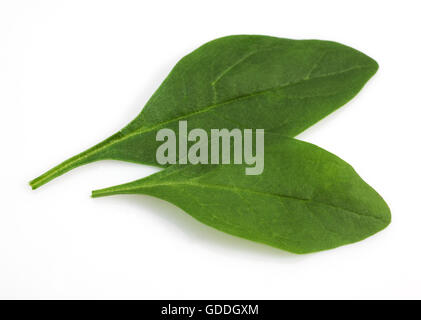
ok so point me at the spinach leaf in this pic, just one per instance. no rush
(244, 81)
(306, 200)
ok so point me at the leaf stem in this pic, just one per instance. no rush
(58, 170)
(85, 157)
(125, 188)
(104, 192)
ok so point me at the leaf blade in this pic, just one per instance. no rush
(244, 81)
(306, 200)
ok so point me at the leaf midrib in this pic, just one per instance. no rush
(240, 98)
(236, 189)
(211, 107)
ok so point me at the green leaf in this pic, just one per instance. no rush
(245, 82)
(306, 200)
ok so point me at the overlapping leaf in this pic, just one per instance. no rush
(279, 85)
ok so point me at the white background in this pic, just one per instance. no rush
(74, 72)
